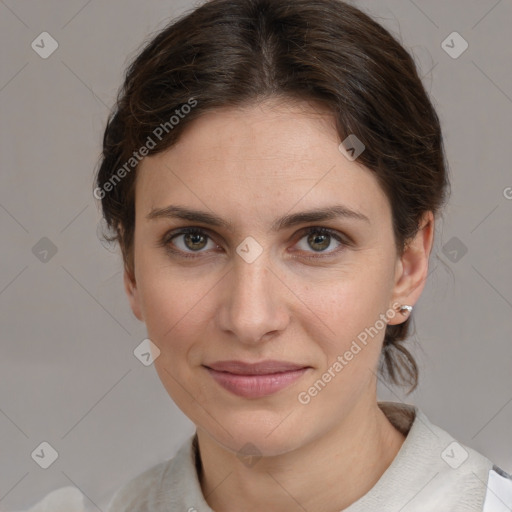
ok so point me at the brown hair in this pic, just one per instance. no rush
(234, 52)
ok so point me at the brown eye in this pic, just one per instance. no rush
(194, 241)
(319, 242)
(319, 239)
(187, 241)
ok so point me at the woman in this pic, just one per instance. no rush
(272, 173)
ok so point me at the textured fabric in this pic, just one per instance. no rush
(65, 499)
(431, 472)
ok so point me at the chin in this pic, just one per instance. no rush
(263, 431)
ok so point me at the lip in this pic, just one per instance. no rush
(262, 368)
(255, 380)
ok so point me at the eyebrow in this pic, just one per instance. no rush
(315, 215)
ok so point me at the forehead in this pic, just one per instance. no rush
(261, 158)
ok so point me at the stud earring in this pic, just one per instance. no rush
(405, 309)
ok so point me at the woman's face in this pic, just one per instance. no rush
(256, 286)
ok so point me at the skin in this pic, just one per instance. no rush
(250, 166)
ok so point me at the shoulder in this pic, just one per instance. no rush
(473, 480)
(135, 494)
(441, 472)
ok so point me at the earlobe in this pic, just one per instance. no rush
(130, 286)
(412, 267)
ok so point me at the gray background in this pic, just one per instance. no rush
(68, 375)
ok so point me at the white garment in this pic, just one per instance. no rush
(65, 499)
(430, 473)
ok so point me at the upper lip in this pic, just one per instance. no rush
(261, 368)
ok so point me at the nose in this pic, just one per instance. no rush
(253, 306)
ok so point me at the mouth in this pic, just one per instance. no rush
(255, 380)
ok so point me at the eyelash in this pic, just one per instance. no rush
(168, 237)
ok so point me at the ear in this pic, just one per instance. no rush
(130, 286)
(412, 267)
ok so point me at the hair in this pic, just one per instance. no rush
(229, 53)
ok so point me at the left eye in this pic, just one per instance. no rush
(319, 239)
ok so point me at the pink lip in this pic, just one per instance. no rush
(257, 379)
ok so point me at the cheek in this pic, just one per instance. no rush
(348, 306)
(169, 294)
(350, 343)
(173, 314)
(177, 310)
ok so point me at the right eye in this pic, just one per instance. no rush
(190, 240)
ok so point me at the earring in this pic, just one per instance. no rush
(405, 309)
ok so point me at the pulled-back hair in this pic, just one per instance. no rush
(231, 53)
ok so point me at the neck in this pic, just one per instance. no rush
(330, 473)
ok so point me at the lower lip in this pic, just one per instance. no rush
(256, 386)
